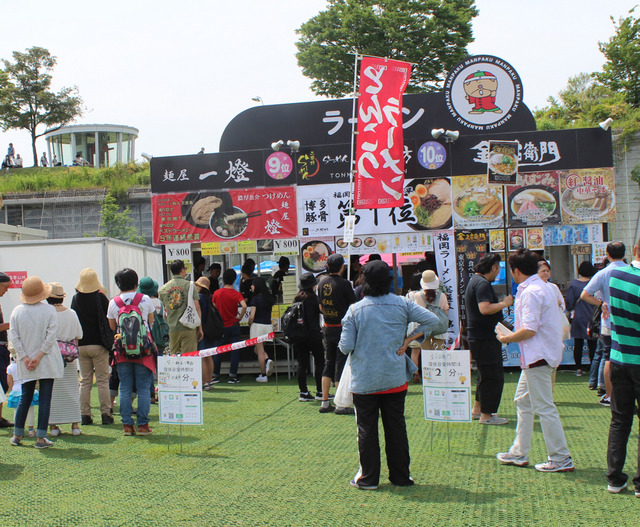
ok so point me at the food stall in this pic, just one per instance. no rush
(253, 200)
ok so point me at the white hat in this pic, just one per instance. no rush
(429, 280)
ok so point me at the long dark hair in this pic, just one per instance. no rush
(303, 294)
(261, 289)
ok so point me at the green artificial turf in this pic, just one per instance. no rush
(263, 458)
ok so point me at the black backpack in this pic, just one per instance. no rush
(293, 324)
(213, 327)
(593, 328)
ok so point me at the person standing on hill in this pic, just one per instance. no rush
(335, 295)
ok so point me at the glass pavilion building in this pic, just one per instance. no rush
(99, 144)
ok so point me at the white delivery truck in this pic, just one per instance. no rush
(62, 260)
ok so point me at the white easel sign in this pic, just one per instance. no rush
(180, 390)
(446, 385)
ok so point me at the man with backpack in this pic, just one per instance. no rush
(173, 296)
(335, 295)
(131, 315)
(484, 311)
(226, 300)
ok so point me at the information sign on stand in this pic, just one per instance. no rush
(446, 385)
(180, 390)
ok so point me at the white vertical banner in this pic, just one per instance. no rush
(444, 247)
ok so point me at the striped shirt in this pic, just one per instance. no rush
(624, 291)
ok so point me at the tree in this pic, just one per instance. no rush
(585, 103)
(26, 100)
(117, 224)
(433, 34)
(621, 72)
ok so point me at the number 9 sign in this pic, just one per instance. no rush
(279, 165)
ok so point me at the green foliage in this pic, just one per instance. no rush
(116, 223)
(622, 70)
(584, 103)
(433, 34)
(117, 179)
(26, 100)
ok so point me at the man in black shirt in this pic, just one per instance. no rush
(215, 269)
(335, 295)
(484, 311)
(278, 277)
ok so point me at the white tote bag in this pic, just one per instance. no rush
(343, 396)
(190, 316)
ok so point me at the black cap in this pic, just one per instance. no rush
(307, 281)
(4, 277)
(376, 271)
(335, 259)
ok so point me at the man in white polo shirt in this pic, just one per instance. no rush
(538, 331)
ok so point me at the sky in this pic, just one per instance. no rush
(179, 72)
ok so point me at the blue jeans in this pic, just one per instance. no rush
(231, 334)
(46, 389)
(594, 378)
(130, 373)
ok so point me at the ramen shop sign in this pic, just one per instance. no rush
(502, 162)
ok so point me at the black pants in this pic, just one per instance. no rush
(391, 406)
(334, 359)
(488, 356)
(578, 344)
(301, 353)
(625, 382)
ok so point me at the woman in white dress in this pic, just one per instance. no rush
(33, 335)
(65, 400)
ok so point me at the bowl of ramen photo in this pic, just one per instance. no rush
(477, 204)
(503, 164)
(228, 225)
(533, 203)
(431, 201)
(198, 207)
(314, 256)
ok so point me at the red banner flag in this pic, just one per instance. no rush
(379, 147)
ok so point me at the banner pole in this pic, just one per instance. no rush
(275, 360)
(352, 160)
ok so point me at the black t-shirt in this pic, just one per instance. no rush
(335, 295)
(245, 287)
(263, 310)
(86, 307)
(480, 326)
(276, 281)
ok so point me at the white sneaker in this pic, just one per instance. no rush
(556, 466)
(76, 431)
(269, 367)
(510, 459)
(262, 378)
(616, 490)
(55, 432)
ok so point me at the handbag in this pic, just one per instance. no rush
(344, 396)
(68, 350)
(190, 318)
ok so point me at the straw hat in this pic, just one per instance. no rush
(34, 291)
(57, 291)
(203, 281)
(429, 280)
(89, 282)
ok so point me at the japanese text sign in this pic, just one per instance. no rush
(379, 148)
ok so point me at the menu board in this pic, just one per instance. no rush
(502, 164)
(476, 205)
(211, 216)
(588, 196)
(469, 247)
(534, 200)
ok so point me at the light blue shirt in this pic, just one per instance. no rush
(600, 283)
(372, 331)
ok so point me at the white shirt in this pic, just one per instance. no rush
(69, 327)
(537, 310)
(145, 305)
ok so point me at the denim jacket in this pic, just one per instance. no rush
(372, 331)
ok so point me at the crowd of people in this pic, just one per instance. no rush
(367, 330)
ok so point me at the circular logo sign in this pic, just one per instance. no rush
(432, 155)
(279, 165)
(482, 92)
